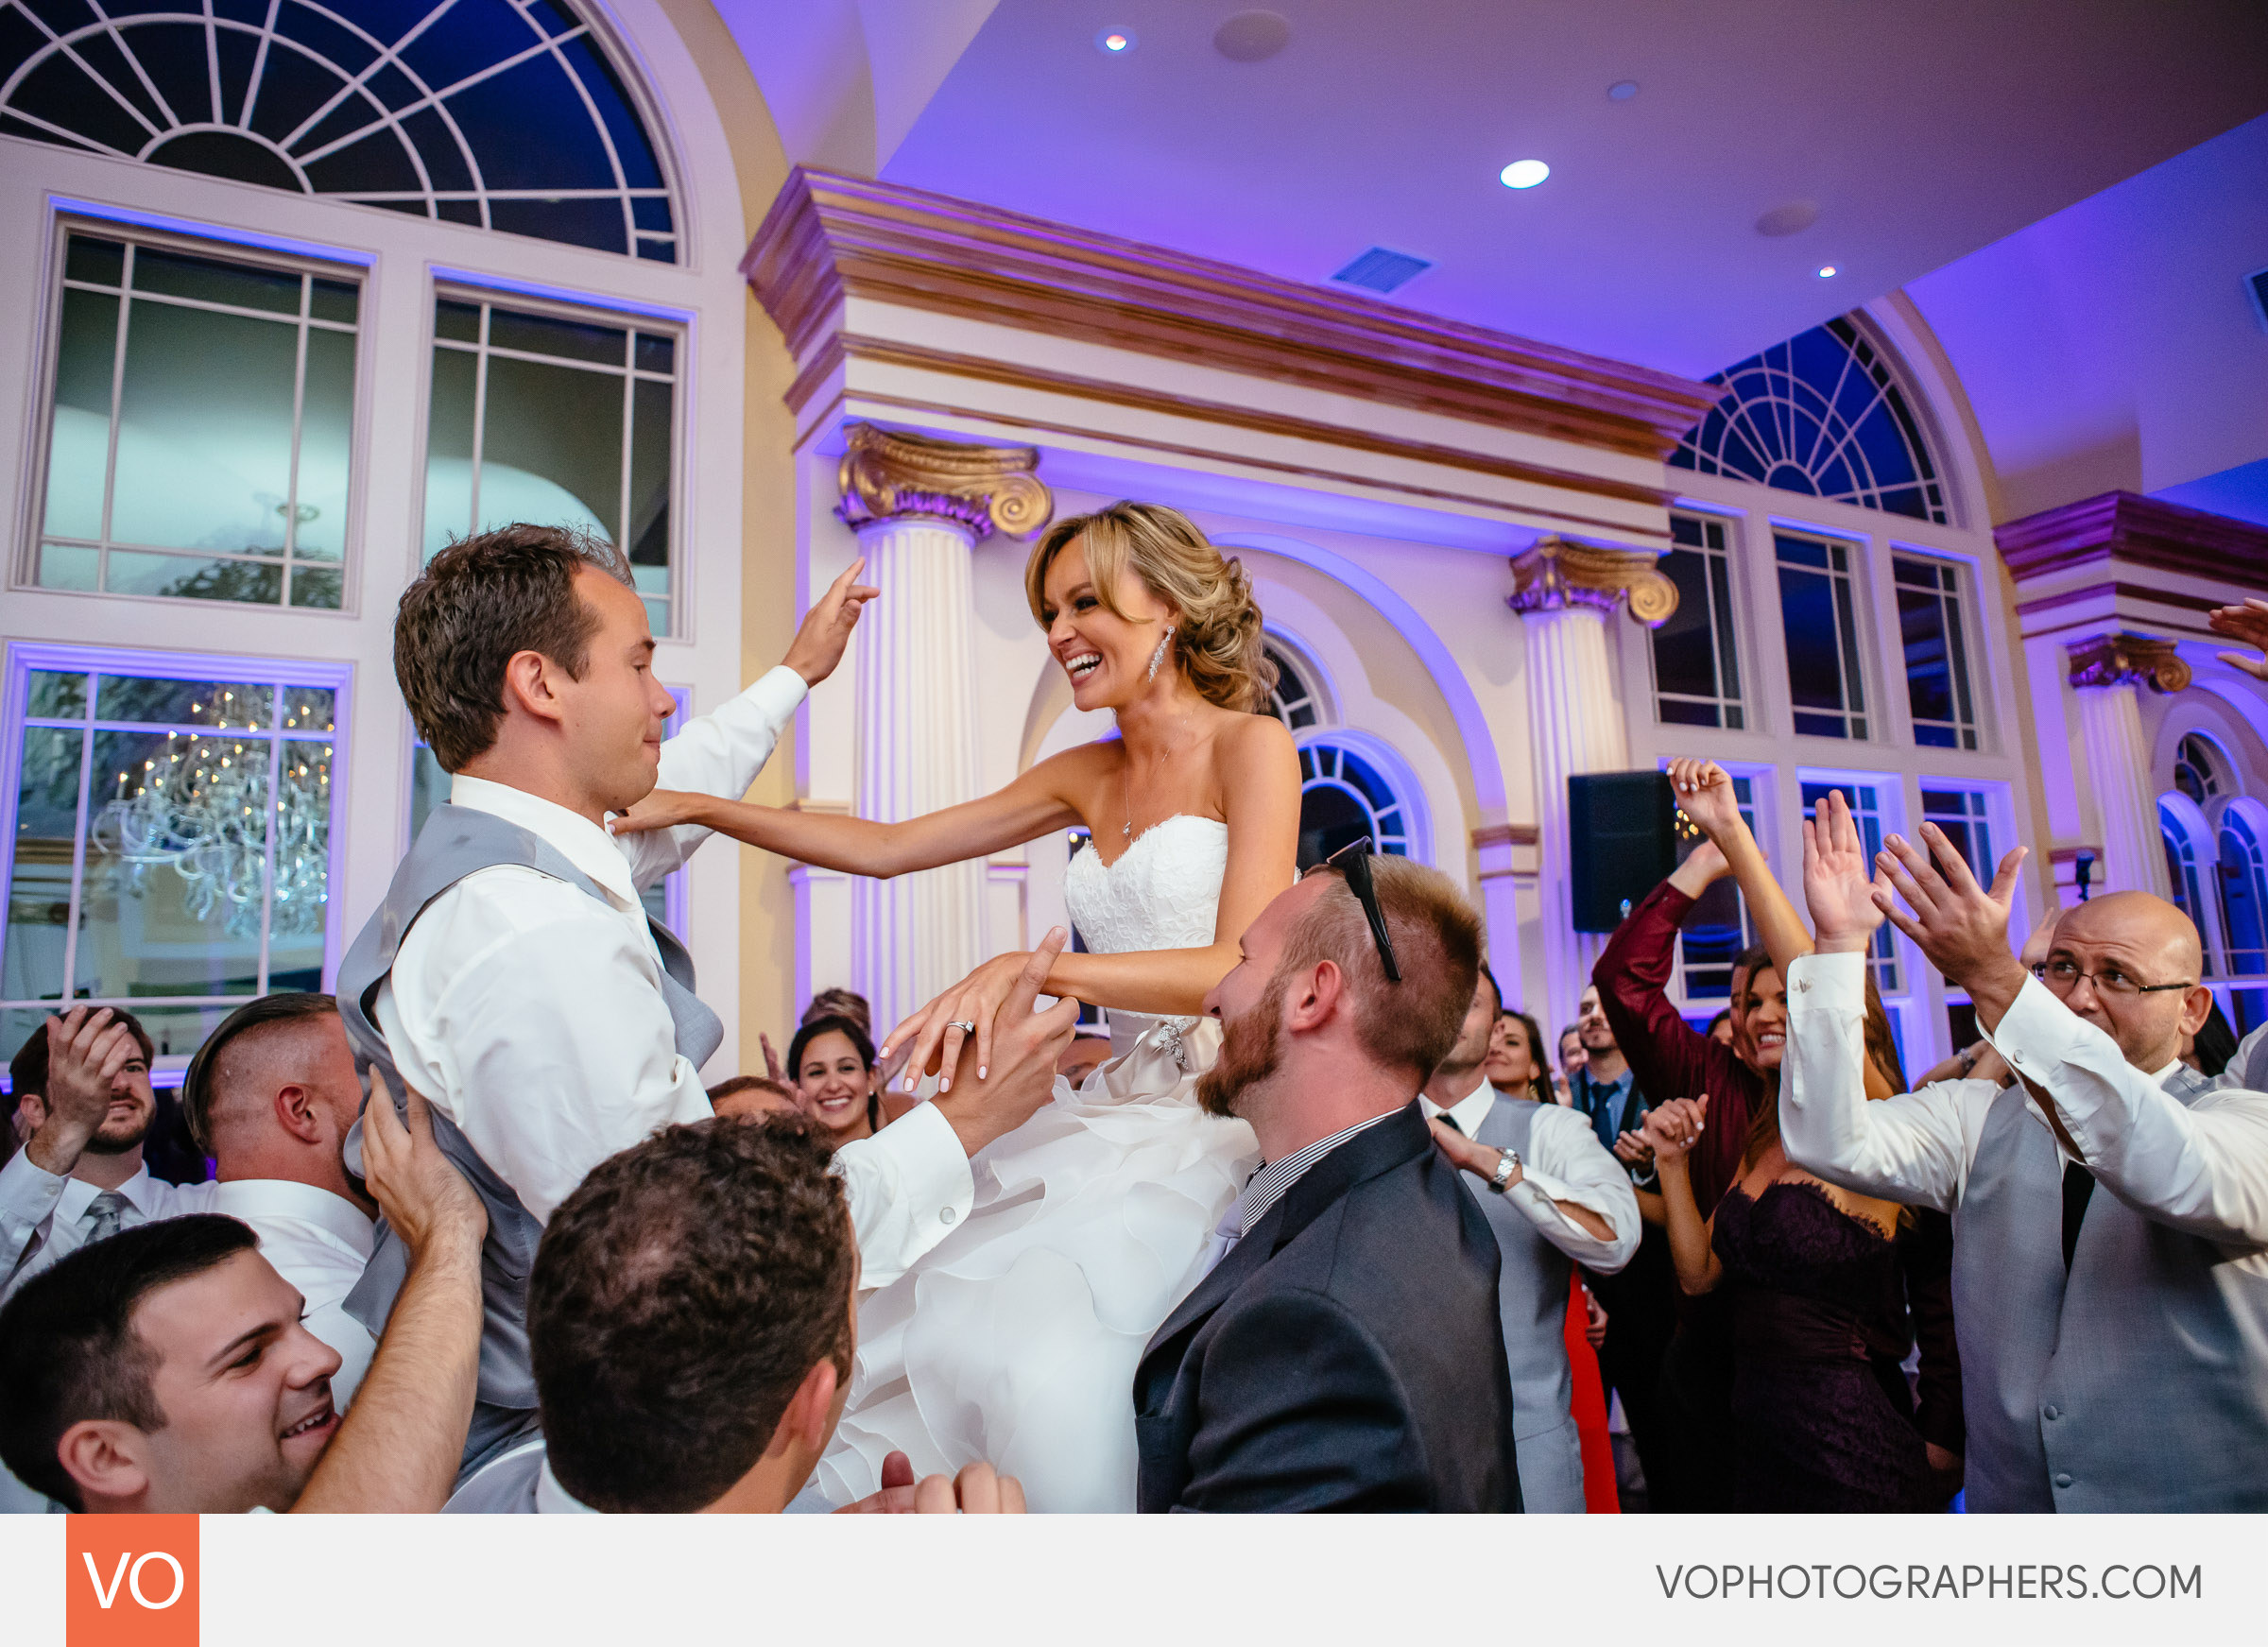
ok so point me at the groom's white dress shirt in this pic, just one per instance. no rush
(532, 1015)
(2201, 1167)
(1565, 1163)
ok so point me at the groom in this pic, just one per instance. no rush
(1343, 1352)
(512, 975)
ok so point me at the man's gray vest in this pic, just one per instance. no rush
(455, 842)
(1531, 1300)
(2139, 1383)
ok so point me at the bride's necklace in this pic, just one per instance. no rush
(1125, 772)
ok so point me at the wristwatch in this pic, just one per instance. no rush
(1507, 1162)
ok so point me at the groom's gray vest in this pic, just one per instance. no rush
(455, 842)
(2139, 1383)
(1531, 1300)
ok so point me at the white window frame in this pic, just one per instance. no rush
(564, 304)
(1965, 598)
(1856, 575)
(282, 673)
(1741, 700)
(174, 234)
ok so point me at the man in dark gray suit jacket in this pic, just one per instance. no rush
(1343, 1352)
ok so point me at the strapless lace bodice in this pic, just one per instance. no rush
(1163, 893)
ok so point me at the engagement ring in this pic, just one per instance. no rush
(964, 1026)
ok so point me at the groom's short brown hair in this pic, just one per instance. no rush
(479, 602)
(1437, 933)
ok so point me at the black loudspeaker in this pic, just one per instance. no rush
(1621, 842)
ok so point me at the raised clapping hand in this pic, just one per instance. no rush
(978, 1491)
(826, 629)
(1705, 794)
(1671, 1129)
(2248, 624)
(1840, 884)
(1962, 927)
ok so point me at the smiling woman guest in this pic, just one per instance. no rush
(833, 1064)
(1515, 1064)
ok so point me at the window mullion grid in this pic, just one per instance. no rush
(110, 470)
(267, 825)
(291, 488)
(78, 841)
(480, 412)
(629, 406)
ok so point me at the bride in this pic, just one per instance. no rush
(1015, 1339)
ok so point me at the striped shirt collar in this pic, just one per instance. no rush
(1271, 1182)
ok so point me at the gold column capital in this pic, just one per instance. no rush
(1558, 572)
(887, 476)
(2121, 659)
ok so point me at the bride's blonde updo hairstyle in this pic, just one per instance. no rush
(1216, 638)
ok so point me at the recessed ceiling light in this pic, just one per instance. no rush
(1827, 271)
(1524, 174)
(1114, 41)
(1623, 90)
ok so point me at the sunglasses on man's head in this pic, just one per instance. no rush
(1352, 861)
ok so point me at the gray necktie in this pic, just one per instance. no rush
(102, 1215)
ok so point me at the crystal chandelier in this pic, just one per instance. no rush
(199, 808)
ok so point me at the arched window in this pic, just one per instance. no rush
(1294, 699)
(1821, 414)
(2183, 874)
(1344, 795)
(2197, 767)
(2243, 894)
(496, 113)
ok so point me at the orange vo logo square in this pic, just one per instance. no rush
(131, 1581)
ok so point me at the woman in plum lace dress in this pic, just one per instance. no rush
(1015, 1339)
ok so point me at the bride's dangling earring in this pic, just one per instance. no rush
(1159, 657)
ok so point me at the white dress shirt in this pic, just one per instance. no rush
(320, 1242)
(531, 1014)
(2201, 1167)
(1565, 1163)
(44, 1217)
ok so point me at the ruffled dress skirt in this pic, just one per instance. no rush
(1015, 1339)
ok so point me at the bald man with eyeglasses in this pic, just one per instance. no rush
(2110, 1208)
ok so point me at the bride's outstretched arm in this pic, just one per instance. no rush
(1259, 776)
(1033, 804)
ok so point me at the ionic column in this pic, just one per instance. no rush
(2105, 672)
(920, 508)
(1575, 716)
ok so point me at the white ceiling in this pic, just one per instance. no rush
(1922, 129)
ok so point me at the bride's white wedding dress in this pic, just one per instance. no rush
(1015, 1339)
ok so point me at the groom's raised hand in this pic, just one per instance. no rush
(1020, 1074)
(826, 629)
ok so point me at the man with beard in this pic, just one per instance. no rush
(1343, 1352)
(80, 1176)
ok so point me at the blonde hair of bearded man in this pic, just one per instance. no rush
(1216, 631)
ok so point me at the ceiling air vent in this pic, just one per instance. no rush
(1380, 270)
